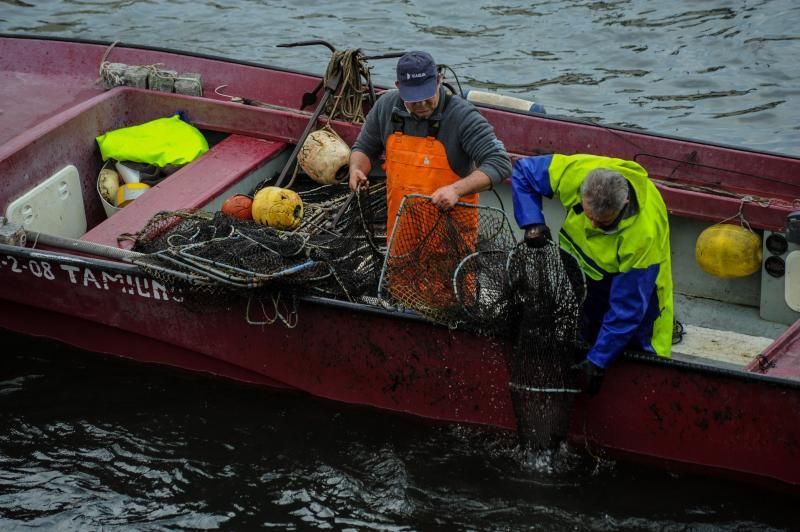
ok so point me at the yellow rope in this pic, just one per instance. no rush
(348, 102)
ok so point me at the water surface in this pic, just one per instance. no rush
(89, 443)
(719, 70)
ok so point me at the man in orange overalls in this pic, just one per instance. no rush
(436, 144)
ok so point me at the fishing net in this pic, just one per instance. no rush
(212, 257)
(463, 268)
(460, 268)
(441, 263)
(547, 289)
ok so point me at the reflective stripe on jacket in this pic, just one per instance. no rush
(630, 268)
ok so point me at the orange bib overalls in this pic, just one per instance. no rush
(418, 165)
(415, 165)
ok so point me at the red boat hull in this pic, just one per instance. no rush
(740, 425)
(733, 423)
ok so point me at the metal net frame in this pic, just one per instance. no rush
(436, 262)
(213, 257)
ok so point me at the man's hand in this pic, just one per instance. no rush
(358, 180)
(445, 197)
(589, 375)
(537, 235)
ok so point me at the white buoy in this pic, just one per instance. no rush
(501, 100)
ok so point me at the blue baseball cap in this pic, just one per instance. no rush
(416, 76)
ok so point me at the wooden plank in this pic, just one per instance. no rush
(723, 346)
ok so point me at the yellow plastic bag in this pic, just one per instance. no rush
(160, 142)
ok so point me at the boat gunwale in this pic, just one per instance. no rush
(557, 118)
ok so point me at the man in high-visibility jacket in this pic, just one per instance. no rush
(616, 227)
(435, 144)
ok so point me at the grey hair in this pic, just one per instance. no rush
(604, 191)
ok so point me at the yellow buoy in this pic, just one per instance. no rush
(277, 207)
(322, 155)
(728, 251)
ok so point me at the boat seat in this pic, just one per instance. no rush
(198, 184)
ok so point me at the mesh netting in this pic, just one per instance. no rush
(213, 257)
(460, 268)
(464, 268)
(443, 264)
(547, 291)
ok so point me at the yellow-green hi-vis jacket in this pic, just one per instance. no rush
(628, 271)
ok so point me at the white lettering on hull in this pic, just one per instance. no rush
(86, 277)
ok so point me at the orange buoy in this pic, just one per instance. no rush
(239, 206)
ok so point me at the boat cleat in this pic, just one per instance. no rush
(11, 234)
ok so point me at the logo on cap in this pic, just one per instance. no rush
(416, 76)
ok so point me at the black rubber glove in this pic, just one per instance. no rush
(537, 235)
(589, 375)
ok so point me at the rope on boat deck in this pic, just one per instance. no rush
(289, 319)
(352, 68)
(744, 198)
(742, 220)
(103, 61)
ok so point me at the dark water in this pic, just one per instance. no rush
(720, 70)
(91, 443)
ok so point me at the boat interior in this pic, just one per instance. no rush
(51, 162)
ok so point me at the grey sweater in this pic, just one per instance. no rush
(468, 138)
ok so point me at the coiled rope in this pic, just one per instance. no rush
(347, 103)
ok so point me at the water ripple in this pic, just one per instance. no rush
(756, 109)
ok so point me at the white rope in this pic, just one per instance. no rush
(290, 319)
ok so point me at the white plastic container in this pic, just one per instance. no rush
(110, 209)
(792, 281)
